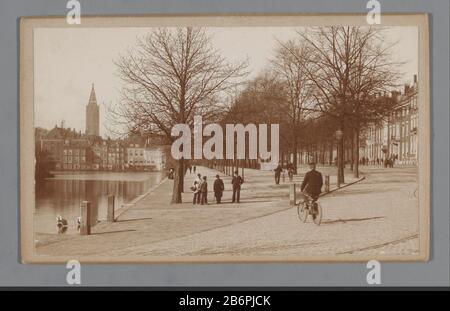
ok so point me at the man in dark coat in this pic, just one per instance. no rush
(204, 191)
(236, 182)
(278, 170)
(313, 181)
(219, 187)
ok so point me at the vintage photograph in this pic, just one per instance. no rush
(225, 139)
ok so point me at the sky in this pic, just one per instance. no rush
(69, 60)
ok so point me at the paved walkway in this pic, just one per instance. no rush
(377, 215)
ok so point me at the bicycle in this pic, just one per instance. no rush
(309, 206)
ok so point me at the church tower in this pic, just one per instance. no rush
(92, 115)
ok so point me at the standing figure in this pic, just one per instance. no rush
(291, 171)
(278, 170)
(204, 191)
(236, 182)
(196, 190)
(195, 168)
(219, 187)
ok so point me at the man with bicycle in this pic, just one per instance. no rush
(312, 183)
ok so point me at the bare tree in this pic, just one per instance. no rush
(170, 76)
(262, 100)
(289, 64)
(348, 67)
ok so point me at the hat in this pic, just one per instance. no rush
(217, 176)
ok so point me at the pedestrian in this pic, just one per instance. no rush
(236, 181)
(197, 184)
(219, 187)
(196, 189)
(204, 191)
(195, 168)
(190, 169)
(291, 172)
(278, 170)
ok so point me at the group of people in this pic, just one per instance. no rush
(200, 188)
(191, 168)
(312, 182)
(279, 169)
(387, 162)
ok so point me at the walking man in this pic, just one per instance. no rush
(291, 171)
(236, 182)
(278, 170)
(219, 187)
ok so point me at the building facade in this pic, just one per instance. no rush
(71, 150)
(396, 138)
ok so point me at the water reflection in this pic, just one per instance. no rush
(62, 196)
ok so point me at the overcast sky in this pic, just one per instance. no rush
(69, 60)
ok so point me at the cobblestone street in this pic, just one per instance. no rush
(376, 216)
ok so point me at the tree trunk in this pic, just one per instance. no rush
(341, 158)
(352, 151)
(331, 160)
(356, 152)
(178, 182)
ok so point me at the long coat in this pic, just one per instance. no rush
(237, 182)
(219, 187)
(204, 187)
(312, 183)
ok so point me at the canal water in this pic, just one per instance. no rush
(62, 194)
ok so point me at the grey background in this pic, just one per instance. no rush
(12, 273)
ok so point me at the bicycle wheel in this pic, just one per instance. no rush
(302, 211)
(317, 213)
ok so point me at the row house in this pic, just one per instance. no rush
(142, 157)
(72, 150)
(396, 138)
(77, 155)
(54, 141)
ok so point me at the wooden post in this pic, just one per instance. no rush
(110, 212)
(85, 211)
(327, 183)
(292, 194)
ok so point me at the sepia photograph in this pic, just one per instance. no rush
(260, 138)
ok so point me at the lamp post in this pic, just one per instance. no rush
(340, 157)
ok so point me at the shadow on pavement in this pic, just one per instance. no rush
(330, 222)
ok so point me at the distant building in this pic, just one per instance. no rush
(396, 137)
(71, 150)
(141, 155)
(115, 155)
(77, 155)
(53, 143)
(92, 115)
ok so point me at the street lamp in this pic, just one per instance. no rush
(340, 157)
